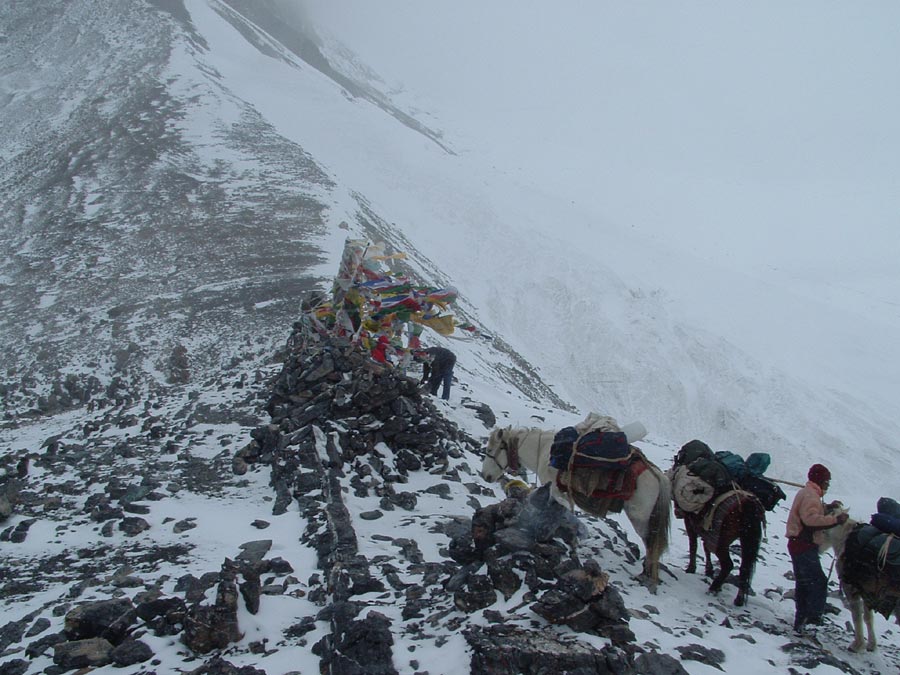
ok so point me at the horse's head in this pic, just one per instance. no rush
(496, 457)
(834, 537)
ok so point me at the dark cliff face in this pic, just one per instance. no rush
(141, 204)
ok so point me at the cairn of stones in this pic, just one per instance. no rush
(330, 405)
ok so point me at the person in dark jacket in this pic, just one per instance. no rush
(438, 370)
(805, 522)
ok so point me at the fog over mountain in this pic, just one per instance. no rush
(711, 191)
(678, 214)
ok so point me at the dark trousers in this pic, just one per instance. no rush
(437, 379)
(810, 587)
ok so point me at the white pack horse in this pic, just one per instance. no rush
(649, 509)
(858, 596)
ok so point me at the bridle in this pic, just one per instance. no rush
(512, 456)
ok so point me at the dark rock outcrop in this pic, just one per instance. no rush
(509, 650)
(219, 666)
(108, 619)
(130, 652)
(216, 626)
(357, 646)
(92, 652)
(584, 600)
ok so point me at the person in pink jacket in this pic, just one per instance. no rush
(805, 523)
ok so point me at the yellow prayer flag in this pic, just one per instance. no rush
(439, 324)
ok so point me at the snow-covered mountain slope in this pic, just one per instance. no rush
(147, 207)
(623, 323)
(174, 180)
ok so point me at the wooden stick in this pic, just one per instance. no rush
(786, 482)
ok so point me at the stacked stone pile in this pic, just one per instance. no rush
(332, 406)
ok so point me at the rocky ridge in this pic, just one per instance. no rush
(376, 428)
(523, 586)
(339, 422)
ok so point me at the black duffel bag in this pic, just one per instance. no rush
(767, 492)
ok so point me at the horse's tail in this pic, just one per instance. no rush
(660, 522)
(753, 524)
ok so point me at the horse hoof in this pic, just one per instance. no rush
(740, 601)
(871, 647)
(645, 579)
(690, 570)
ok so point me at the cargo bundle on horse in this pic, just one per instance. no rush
(868, 566)
(722, 499)
(630, 482)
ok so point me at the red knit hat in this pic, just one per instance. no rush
(818, 474)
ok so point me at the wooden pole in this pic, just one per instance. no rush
(786, 482)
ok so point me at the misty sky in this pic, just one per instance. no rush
(763, 135)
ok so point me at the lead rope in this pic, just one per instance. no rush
(830, 569)
(568, 474)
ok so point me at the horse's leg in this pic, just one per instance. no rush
(856, 612)
(692, 545)
(659, 519)
(726, 564)
(692, 553)
(709, 571)
(648, 510)
(650, 571)
(751, 536)
(744, 576)
(872, 642)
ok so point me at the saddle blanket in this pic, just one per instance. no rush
(607, 483)
(721, 507)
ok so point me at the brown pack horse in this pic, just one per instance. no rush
(649, 509)
(737, 516)
(864, 592)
